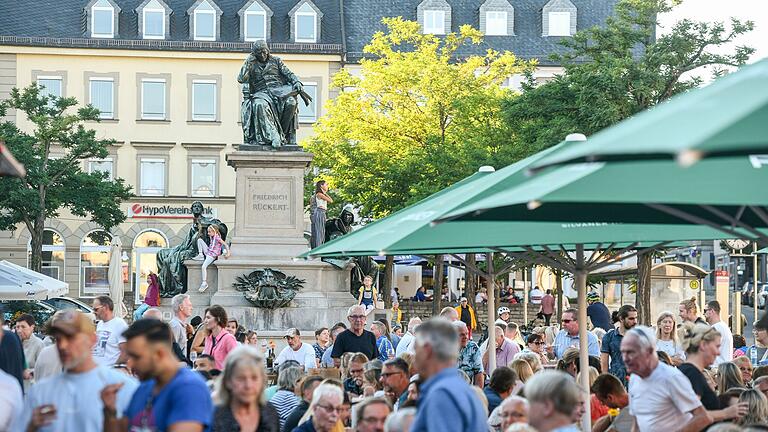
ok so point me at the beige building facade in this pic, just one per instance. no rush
(175, 116)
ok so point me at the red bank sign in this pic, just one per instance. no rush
(149, 211)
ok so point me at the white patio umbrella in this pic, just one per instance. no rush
(21, 283)
(115, 277)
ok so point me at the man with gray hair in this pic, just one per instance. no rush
(182, 310)
(470, 359)
(552, 396)
(400, 421)
(513, 409)
(660, 397)
(449, 313)
(406, 342)
(446, 402)
(356, 338)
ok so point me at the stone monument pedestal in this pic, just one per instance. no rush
(268, 233)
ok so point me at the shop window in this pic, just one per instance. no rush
(94, 264)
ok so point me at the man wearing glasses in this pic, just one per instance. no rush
(371, 415)
(356, 338)
(395, 379)
(569, 335)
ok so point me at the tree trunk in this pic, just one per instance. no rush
(36, 260)
(389, 281)
(470, 285)
(437, 291)
(559, 288)
(643, 294)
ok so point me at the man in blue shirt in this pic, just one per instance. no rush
(598, 313)
(446, 402)
(169, 396)
(569, 335)
(383, 343)
(611, 347)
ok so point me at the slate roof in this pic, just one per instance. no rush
(63, 23)
(363, 19)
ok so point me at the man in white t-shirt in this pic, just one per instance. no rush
(297, 350)
(71, 400)
(660, 397)
(536, 295)
(182, 310)
(11, 398)
(712, 314)
(110, 343)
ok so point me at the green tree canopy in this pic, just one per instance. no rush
(619, 69)
(54, 183)
(415, 120)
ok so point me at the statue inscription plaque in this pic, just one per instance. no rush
(271, 202)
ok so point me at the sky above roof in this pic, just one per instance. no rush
(722, 11)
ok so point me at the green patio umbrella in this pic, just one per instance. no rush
(722, 193)
(727, 117)
(410, 231)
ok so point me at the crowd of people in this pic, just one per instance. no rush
(688, 373)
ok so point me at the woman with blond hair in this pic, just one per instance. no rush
(757, 412)
(533, 359)
(522, 369)
(666, 338)
(240, 394)
(702, 346)
(728, 377)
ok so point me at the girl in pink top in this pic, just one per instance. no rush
(209, 253)
(219, 342)
(151, 298)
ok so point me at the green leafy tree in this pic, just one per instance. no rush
(619, 69)
(54, 183)
(415, 120)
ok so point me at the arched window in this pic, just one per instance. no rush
(145, 248)
(94, 264)
(53, 254)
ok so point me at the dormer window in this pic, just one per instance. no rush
(102, 18)
(255, 23)
(434, 16)
(306, 24)
(153, 19)
(434, 22)
(559, 18)
(497, 18)
(204, 20)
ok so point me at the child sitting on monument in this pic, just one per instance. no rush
(368, 295)
(209, 253)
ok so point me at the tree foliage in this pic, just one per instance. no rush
(53, 154)
(619, 69)
(415, 120)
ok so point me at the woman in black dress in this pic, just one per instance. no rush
(240, 395)
(702, 346)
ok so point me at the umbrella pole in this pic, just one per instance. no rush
(525, 296)
(491, 314)
(580, 277)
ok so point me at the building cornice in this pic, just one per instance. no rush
(167, 45)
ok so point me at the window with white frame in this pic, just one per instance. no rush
(94, 264)
(153, 99)
(203, 180)
(434, 22)
(52, 85)
(308, 113)
(53, 254)
(559, 24)
(153, 19)
(255, 23)
(496, 23)
(152, 173)
(102, 93)
(205, 22)
(204, 100)
(102, 20)
(306, 24)
(102, 165)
